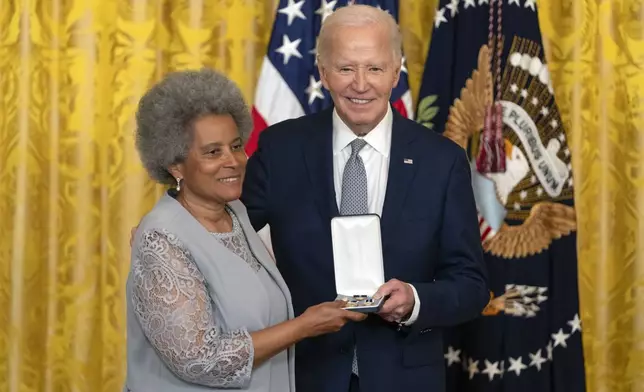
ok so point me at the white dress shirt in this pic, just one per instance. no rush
(375, 156)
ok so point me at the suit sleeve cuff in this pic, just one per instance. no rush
(414, 313)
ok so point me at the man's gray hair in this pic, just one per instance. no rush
(167, 112)
(358, 15)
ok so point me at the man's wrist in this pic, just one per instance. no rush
(413, 315)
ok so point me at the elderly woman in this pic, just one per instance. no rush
(207, 307)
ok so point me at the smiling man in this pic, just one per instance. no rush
(362, 157)
(359, 59)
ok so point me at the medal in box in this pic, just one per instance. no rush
(357, 261)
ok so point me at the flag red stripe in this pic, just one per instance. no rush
(485, 233)
(399, 105)
(259, 124)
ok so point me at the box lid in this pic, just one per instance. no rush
(357, 254)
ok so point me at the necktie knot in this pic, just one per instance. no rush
(357, 145)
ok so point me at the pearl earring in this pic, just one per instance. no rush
(178, 184)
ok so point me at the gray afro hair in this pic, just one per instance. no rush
(168, 110)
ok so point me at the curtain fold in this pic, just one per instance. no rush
(71, 74)
(596, 56)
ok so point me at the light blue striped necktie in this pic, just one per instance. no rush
(354, 198)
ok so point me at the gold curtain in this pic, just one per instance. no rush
(596, 56)
(71, 72)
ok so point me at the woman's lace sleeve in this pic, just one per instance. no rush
(175, 310)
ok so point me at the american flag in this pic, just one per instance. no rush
(289, 85)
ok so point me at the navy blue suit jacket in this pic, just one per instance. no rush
(430, 239)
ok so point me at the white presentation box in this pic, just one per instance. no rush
(358, 261)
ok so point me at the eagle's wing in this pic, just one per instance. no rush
(547, 221)
(467, 114)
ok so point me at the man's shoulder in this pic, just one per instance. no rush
(295, 129)
(431, 141)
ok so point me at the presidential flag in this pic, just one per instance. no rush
(487, 86)
(289, 84)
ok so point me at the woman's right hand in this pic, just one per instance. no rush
(327, 317)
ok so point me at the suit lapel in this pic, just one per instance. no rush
(318, 156)
(402, 168)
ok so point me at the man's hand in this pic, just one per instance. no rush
(400, 303)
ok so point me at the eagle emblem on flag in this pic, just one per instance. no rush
(487, 86)
(521, 210)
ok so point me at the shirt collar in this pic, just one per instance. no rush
(379, 138)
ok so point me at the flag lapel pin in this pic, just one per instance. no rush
(409, 161)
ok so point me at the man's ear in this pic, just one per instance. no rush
(322, 72)
(397, 73)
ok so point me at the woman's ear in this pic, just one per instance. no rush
(176, 170)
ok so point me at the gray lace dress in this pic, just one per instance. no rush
(174, 305)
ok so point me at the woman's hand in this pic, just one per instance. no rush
(317, 320)
(327, 317)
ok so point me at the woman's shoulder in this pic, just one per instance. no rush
(158, 247)
(166, 209)
(166, 213)
(162, 221)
